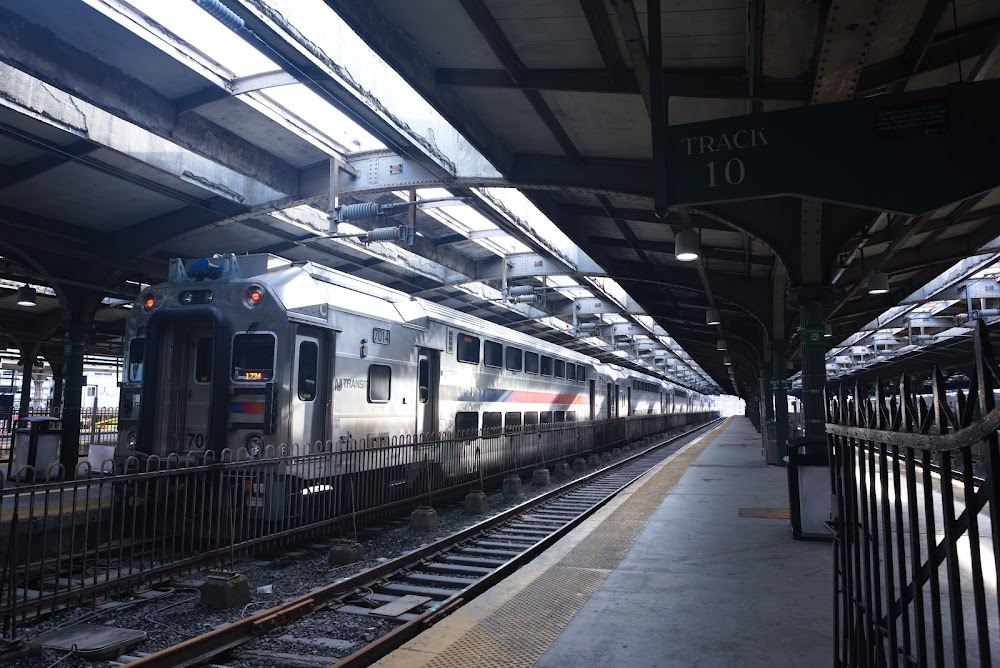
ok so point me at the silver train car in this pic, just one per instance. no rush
(258, 351)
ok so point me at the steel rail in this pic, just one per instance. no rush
(201, 648)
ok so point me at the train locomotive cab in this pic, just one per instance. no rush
(202, 357)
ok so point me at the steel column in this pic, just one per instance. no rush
(780, 395)
(813, 367)
(70, 446)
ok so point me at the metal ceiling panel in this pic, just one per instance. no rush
(134, 166)
(249, 124)
(87, 198)
(84, 28)
(796, 22)
(512, 119)
(426, 20)
(622, 120)
(13, 152)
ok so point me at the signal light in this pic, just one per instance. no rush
(148, 302)
(254, 296)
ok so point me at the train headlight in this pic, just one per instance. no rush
(254, 296)
(131, 440)
(255, 445)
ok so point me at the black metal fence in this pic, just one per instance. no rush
(98, 426)
(914, 472)
(64, 543)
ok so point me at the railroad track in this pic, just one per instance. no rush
(418, 589)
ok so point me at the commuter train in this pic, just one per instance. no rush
(259, 351)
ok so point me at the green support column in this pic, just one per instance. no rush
(72, 396)
(780, 395)
(813, 368)
(28, 356)
(57, 391)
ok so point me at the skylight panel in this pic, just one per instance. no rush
(323, 116)
(196, 27)
(323, 37)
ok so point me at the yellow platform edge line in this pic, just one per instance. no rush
(516, 621)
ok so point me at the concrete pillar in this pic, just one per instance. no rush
(73, 395)
(780, 394)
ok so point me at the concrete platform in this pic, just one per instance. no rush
(693, 566)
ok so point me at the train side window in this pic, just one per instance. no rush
(308, 356)
(514, 361)
(379, 383)
(492, 354)
(570, 416)
(545, 417)
(512, 421)
(466, 422)
(468, 349)
(203, 360)
(530, 362)
(424, 380)
(136, 350)
(253, 357)
(560, 369)
(492, 421)
(559, 416)
(546, 365)
(530, 418)
(570, 371)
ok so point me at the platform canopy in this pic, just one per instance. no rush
(804, 144)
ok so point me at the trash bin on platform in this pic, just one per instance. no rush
(809, 488)
(36, 444)
(773, 451)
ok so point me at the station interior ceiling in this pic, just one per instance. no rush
(131, 133)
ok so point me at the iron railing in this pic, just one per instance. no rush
(68, 542)
(98, 426)
(916, 559)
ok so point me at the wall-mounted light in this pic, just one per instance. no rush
(687, 248)
(721, 345)
(827, 331)
(26, 296)
(712, 317)
(727, 361)
(878, 283)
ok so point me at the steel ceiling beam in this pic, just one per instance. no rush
(921, 40)
(479, 14)
(667, 248)
(607, 43)
(718, 84)
(973, 41)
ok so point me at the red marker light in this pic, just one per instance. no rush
(149, 302)
(254, 296)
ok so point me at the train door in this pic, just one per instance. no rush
(593, 399)
(181, 423)
(618, 400)
(628, 399)
(310, 387)
(428, 375)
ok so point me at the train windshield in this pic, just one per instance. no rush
(253, 357)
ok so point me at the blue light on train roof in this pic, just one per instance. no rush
(202, 268)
